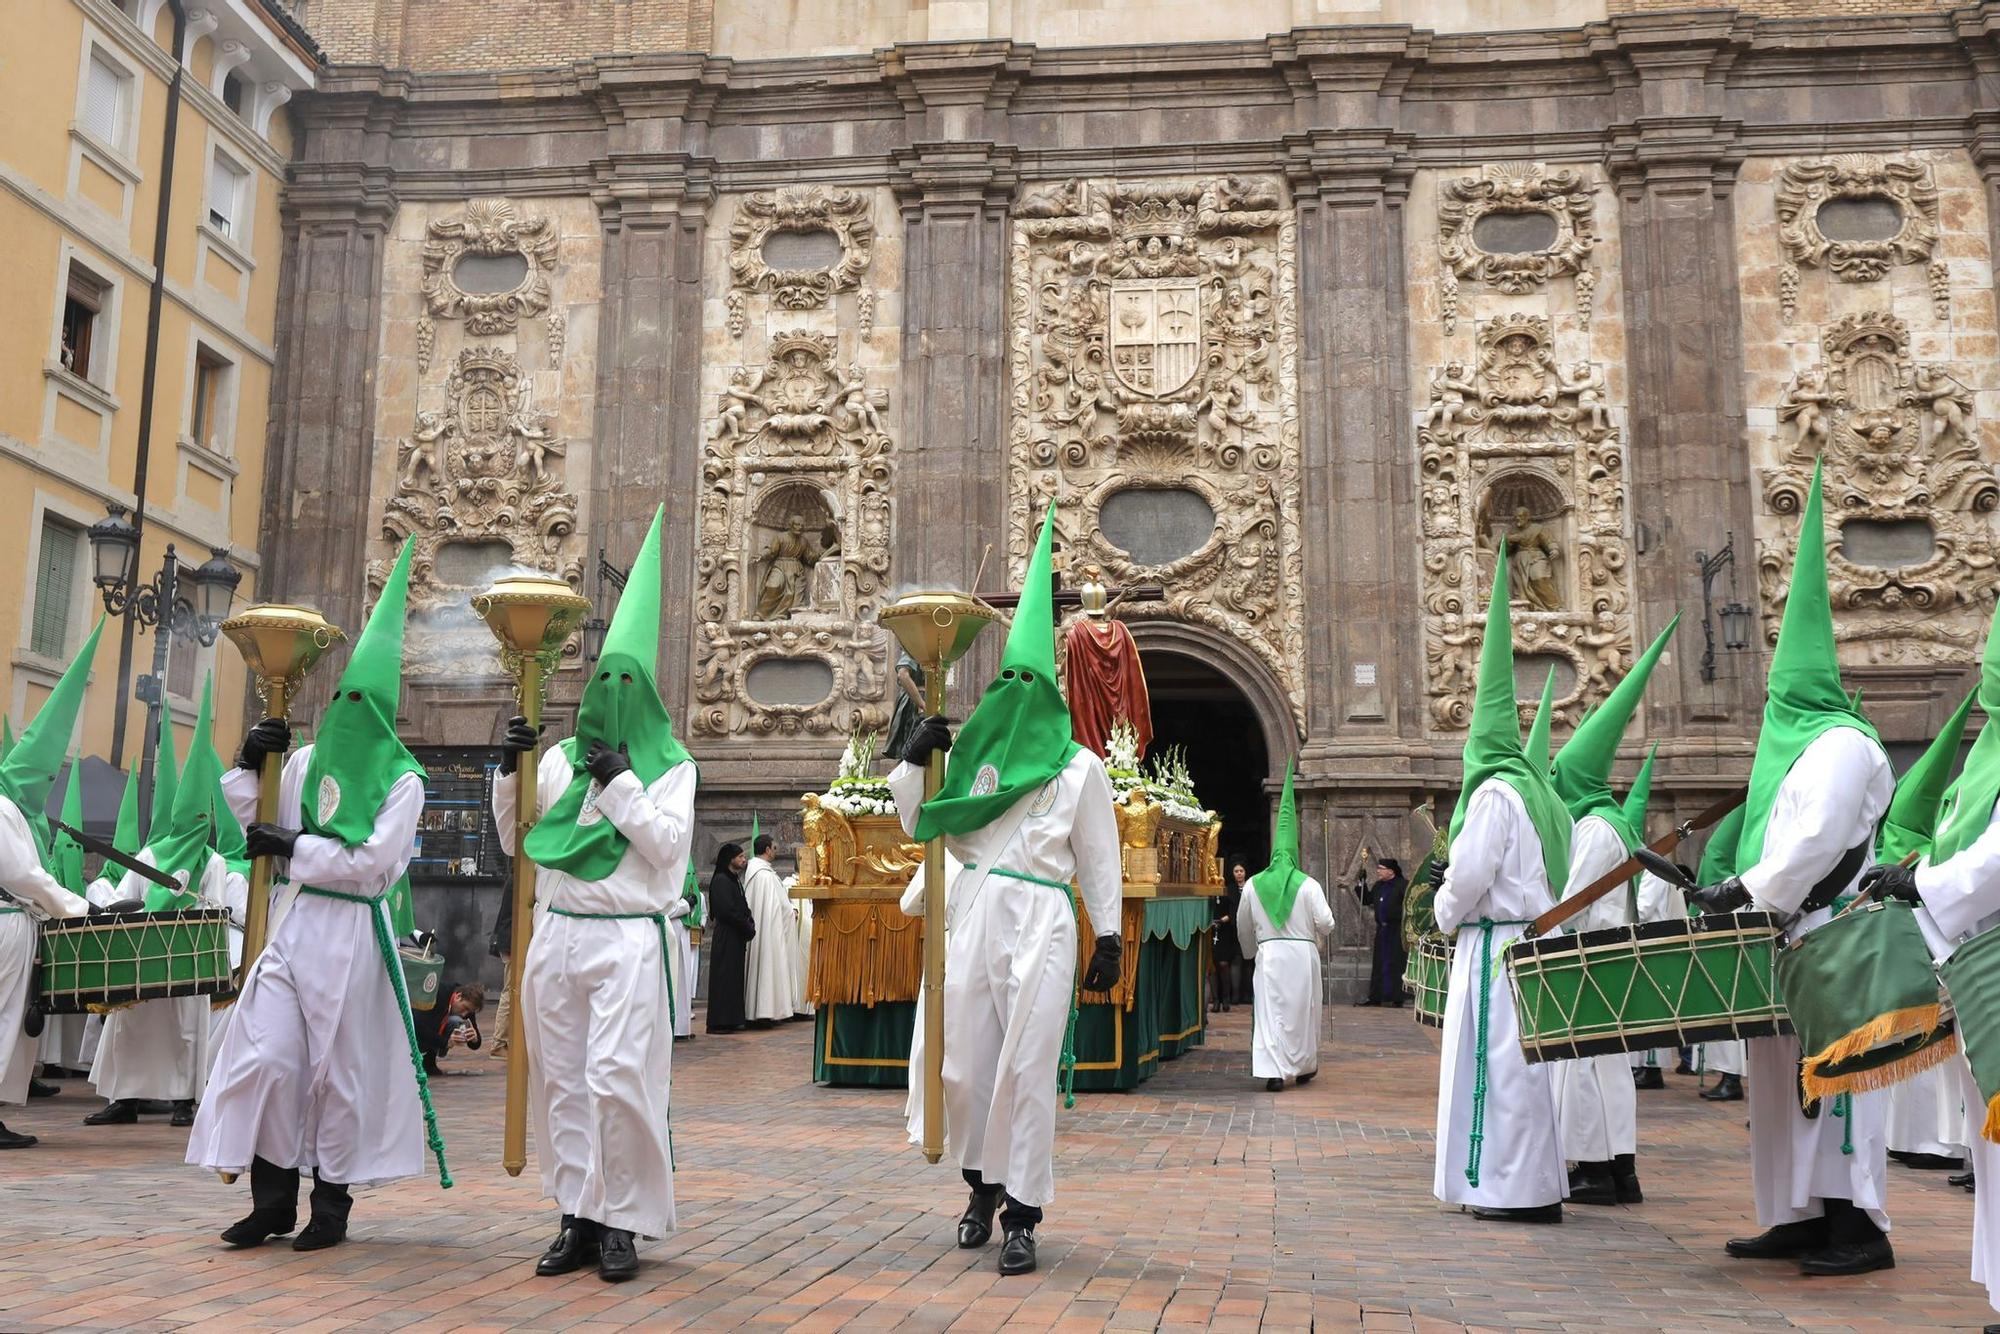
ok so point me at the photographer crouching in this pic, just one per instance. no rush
(453, 1024)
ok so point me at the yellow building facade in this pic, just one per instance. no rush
(86, 94)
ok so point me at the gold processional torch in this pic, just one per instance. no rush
(532, 616)
(935, 629)
(279, 644)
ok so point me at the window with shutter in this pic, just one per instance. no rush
(104, 98)
(225, 195)
(55, 581)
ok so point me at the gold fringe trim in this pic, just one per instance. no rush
(864, 954)
(1883, 1029)
(1991, 1130)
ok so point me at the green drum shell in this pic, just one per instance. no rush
(1658, 984)
(1861, 964)
(1428, 974)
(422, 975)
(103, 963)
(1972, 977)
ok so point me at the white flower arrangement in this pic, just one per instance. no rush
(1169, 786)
(856, 791)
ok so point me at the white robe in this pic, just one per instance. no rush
(594, 1007)
(1658, 902)
(1832, 799)
(159, 1049)
(912, 904)
(681, 950)
(1597, 1108)
(802, 935)
(1496, 873)
(34, 895)
(1011, 967)
(235, 898)
(770, 971)
(61, 1043)
(1286, 999)
(1926, 1114)
(313, 1070)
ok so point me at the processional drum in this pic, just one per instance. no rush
(1428, 974)
(93, 965)
(1864, 999)
(1971, 978)
(1657, 984)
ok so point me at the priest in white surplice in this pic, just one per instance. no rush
(770, 972)
(616, 818)
(1027, 811)
(1497, 1148)
(1281, 923)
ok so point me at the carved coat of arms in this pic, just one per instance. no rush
(1155, 333)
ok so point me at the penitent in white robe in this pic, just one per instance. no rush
(1011, 967)
(1596, 1106)
(1926, 1114)
(159, 1049)
(1286, 997)
(1962, 897)
(1496, 874)
(594, 1006)
(1658, 902)
(313, 1070)
(32, 895)
(770, 971)
(682, 953)
(1834, 796)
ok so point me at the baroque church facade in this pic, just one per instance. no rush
(1292, 311)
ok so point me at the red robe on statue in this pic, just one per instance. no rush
(1105, 682)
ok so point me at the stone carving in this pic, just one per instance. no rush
(1153, 338)
(426, 343)
(488, 227)
(1516, 187)
(558, 339)
(799, 208)
(1906, 184)
(1899, 445)
(1518, 447)
(794, 540)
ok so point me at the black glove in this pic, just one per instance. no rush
(1891, 882)
(605, 763)
(1725, 897)
(269, 840)
(1102, 975)
(273, 736)
(933, 734)
(518, 740)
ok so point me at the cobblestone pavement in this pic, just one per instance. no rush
(1199, 1201)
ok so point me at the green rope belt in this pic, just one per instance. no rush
(1843, 1107)
(1303, 940)
(1066, 1064)
(1476, 1145)
(4, 910)
(385, 945)
(659, 920)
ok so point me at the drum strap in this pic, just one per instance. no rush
(392, 964)
(1477, 1141)
(1828, 887)
(1066, 1064)
(659, 920)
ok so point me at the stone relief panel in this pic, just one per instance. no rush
(1519, 432)
(798, 471)
(1879, 361)
(486, 377)
(1153, 397)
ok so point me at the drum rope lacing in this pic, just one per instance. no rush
(659, 920)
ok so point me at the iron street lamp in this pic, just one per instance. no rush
(1736, 617)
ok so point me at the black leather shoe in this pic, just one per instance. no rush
(14, 1139)
(1928, 1162)
(1305, 1078)
(1590, 1183)
(183, 1113)
(319, 1233)
(574, 1247)
(1786, 1241)
(1648, 1077)
(1625, 1176)
(39, 1089)
(258, 1227)
(1545, 1213)
(617, 1259)
(1729, 1088)
(1273, 1085)
(1854, 1257)
(1017, 1252)
(115, 1113)
(1685, 1069)
(975, 1225)
(1963, 1181)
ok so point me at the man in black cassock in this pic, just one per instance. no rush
(730, 929)
(1385, 968)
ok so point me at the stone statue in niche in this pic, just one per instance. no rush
(1534, 560)
(787, 564)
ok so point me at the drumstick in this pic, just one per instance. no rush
(1909, 859)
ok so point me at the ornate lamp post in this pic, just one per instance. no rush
(1735, 616)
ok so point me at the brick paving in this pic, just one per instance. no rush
(1199, 1201)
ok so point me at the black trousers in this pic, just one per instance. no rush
(1013, 1213)
(277, 1189)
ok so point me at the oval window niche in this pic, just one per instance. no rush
(471, 564)
(1156, 525)
(1870, 218)
(817, 249)
(1531, 669)
(1522, 232)
(793, 683)
(1887, 544)
(490, 275)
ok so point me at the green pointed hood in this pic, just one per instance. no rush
(66, 861)
(1537, 745)
(186, 840)
(1493, 739)
(1912, 818)
(755, 830)
(125, 835)
(691, 891)
(357, 756)
(1277, 885)
(28, 774)
(228, 834)
(166, 778)
(1968, 808)
(1718, 856)
(1803, 696)
(6, 736)
(1018, 737)
(1583, 769)
(621, 707)
(1641, 794)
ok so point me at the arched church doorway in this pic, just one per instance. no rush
(1197, 707)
